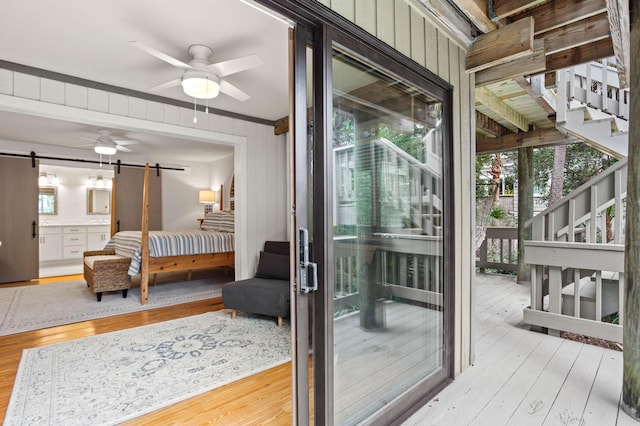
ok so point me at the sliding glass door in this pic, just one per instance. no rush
(389, 316)
(373, 300)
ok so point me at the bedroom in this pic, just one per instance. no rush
(157, 127)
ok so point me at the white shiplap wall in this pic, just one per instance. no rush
(415, 33)
(259, 158)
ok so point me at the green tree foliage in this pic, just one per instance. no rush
(411, 143)
(582, 162)
(483, 184)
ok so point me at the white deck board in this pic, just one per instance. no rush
(522, 377)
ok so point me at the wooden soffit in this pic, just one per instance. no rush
(501, 108)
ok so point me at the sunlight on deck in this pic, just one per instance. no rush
(521, 377)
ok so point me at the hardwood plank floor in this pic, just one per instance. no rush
(264, 398)
(521, 377)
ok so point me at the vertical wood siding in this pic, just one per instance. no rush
(410, 32)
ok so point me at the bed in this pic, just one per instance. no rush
(164, 251)
(172, 245)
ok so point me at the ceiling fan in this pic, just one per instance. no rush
(202, 79)
(106, 145)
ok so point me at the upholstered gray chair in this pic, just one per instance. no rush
(268, 292)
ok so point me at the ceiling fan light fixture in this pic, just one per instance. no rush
(105, 148)
(200, 85)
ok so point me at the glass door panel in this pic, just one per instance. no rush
(388, 193)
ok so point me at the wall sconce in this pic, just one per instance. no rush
(208, 198)
(48, 180)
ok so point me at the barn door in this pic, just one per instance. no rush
(18, 219)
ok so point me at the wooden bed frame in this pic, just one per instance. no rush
(152, 265)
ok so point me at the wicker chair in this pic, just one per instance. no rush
(104, 271)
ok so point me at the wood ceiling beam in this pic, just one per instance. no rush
(488, 126)
(558, 13)
(510, 142)
(579, 33)
(506, 44)
(532, 64)
(580, 55)
(476, 11)
(506, 8)
(593, 51)
(491, 101)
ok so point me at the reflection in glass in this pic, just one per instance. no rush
(48, 200)
(388, 246)
(98, 201)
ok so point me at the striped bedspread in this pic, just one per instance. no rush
(170, 243)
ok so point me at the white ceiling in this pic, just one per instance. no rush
(89, 39)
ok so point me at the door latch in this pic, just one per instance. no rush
(306, 268)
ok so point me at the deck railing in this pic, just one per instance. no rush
(401, 265)
(596, 84)
(577, 259)
(581, 215)
(499, 250)
(585, 284)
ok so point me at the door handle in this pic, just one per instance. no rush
(33, 229)
(305, 266)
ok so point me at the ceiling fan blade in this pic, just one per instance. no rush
(166, 85)
(125, 142)
(158, 54)
(122, 148)
(233, 66)
(231, 90)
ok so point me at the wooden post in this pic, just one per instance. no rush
(144, 261)
(631, 315)
(525, 208)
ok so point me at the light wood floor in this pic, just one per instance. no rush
(261, 399)
(520, 377)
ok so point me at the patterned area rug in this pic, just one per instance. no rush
(114, 377)
(42, 306)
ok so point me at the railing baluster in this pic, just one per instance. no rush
(555, 293)
(598, 295)
(617, 220)
(620, 297)
(571, 221)
(594, 212)
(604, 85)
(576, 293)
(536, 287)
(589, 93)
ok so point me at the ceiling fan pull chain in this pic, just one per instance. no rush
(206, 108)
(195, 119)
